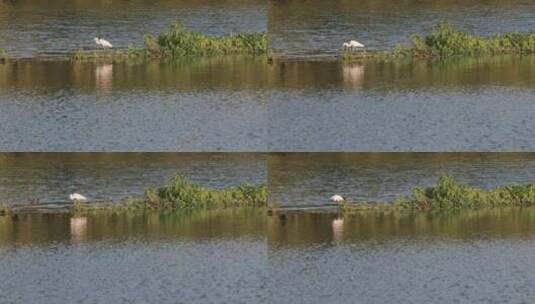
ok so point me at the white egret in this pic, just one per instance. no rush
(353, 44)
(105, 44)
(337, 198)
(77, 197)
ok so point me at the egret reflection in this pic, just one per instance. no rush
(353, 74)
(78, 229)
(104, 77)
(338, 229)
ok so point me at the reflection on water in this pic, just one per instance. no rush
(31, 28)
(311, 178)
(240, 255)
(455, 105)
(314, 27)
(469, 257)
(308, 229)
(78, 229)
(408, 77)
(217, 256)
(245, 104)
(353, 74)
(219, 73)
(338, 229)
(44, 229)
(51, 177)
(209, 105)
(104, 78)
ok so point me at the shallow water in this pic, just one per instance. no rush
(204, 105)
(312, 28)
(205, 258)
(480, 104)
(51, 177)
(246, 104)
(311, 178)
(242, 256)
(30, 28)
(478, 257)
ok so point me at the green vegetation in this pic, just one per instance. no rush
(179, 42)
(447, 194)
(179, 195)
(446, 41)
(3, 54)
(182, 195)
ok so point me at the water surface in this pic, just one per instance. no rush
(472, 104)
(30, 28)
(245, 104)
(209, 257)
(313, 28)
(470, 257)
(311, 178)
(240, 255)
(202, 105)
(51, 177)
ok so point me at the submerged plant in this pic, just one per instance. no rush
(3, 54)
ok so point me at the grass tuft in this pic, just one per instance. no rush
(445, 40)
(181, 194)
(178, 41)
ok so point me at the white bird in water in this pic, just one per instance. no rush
(77, 197)
(353, 44)
(337, 198)
(105, 44)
